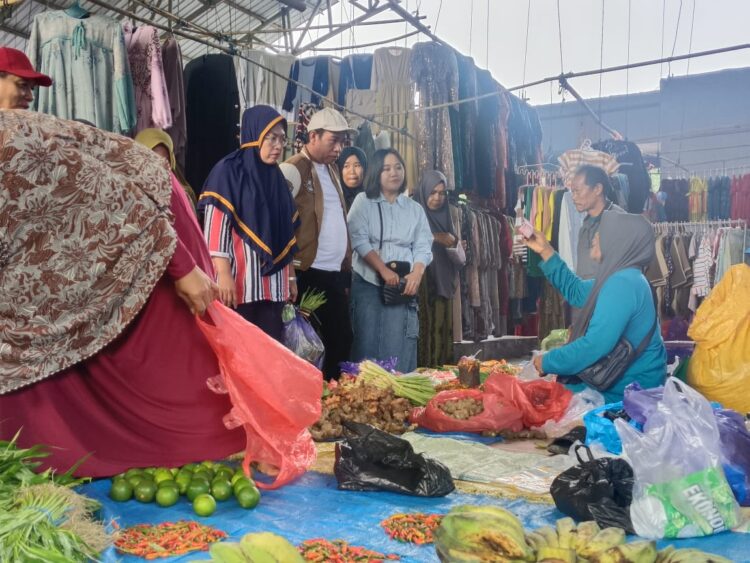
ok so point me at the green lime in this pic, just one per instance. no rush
(239, 474)
(167, 496)
(145, 491)
(225, 472)
(134, 480)
(221, 490)
(204, 474)
(168, 483)
(150, 470)
(204, 505)
(248, 497)
(174, 471)
(121, 490)
(241, 483)
(162, 475)
(197, 487)
(190, 467)
(208, 463)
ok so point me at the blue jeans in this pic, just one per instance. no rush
(381, 331)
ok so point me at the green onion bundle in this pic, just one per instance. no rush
(417, 388)
(311, 300)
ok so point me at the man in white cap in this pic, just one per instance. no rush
(18, 79)
(323, 261)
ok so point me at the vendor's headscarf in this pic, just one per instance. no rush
(152, 138)
(351, 193)
(626, 241)
(85, 235)
(442, 270)
(255, 195)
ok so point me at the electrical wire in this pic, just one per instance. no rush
(690, 44)
(487, 39)
(559, 36)
(526, 43)
(676, 33)
(437, 19)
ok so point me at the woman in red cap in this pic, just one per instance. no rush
(18, 79)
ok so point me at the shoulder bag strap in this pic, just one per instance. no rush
(647, 339)
(380, 213)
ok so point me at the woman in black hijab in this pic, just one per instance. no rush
(352, 165)
(436, 295)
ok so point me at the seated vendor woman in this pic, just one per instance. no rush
(616, 304)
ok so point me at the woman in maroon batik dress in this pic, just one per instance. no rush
(120, 370)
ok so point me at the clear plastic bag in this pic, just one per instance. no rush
(680, 489)
(300, 336)
(581, 403)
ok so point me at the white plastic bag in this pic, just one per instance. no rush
(680, 489)
(580, 404)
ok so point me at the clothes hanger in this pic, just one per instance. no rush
(76, 11)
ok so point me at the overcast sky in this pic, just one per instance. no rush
(501, 46)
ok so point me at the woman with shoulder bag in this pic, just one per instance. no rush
(616, 339)
(392, 244)
(436, 295)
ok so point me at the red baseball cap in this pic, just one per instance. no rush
(16, 62)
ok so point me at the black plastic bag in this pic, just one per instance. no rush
(562, 445)
(596, 489)
(372, 460)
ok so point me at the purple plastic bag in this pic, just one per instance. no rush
(300, 337)
(639, 402)
(734, 437)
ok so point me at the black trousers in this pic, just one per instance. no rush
(266, 315)
(332, 319)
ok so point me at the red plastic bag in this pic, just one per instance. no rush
(275, 394)
(497, 415)
(539, 400)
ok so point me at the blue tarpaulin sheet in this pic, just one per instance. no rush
(313, 507)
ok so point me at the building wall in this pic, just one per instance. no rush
(701, 121)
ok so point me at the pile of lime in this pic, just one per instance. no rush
(202, 483)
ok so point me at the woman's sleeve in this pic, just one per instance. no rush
(422, 247)
(182, 262)
(359, 226)
(574, 289)
(614, 308)
(218, 232)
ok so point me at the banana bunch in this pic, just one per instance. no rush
(481, 533)
(672, 555)
(263, 547)
(568, 543)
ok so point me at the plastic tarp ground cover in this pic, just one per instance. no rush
(254, 367)
(313, 507)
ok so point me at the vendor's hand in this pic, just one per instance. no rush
(197, 290)
(227, 290)
(413, 280)
(389, 277)
(539, 244)
(293, 291)
(537, 361)
(445, 239)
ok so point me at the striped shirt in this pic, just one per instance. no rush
(224, 242)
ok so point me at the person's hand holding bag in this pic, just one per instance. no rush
(197, 290)
(413, 279)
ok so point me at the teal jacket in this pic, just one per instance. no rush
(624, 307)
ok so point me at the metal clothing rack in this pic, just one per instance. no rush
(697, 226)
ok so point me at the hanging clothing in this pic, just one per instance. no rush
(486, 140)
(149, 82)
(313, 73)
(676, 206)
(88, 62)
(213, 114)
(468, 116)
(145, 368)
(259, 86)
(629, 156)
(391, 80)
(171, 56)
(571, 160)
(434, 143)
(304, 114)
(356, 73)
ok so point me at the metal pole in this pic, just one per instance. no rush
(564, 83)
(355, 21)
(307, 26)
(415, 22)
